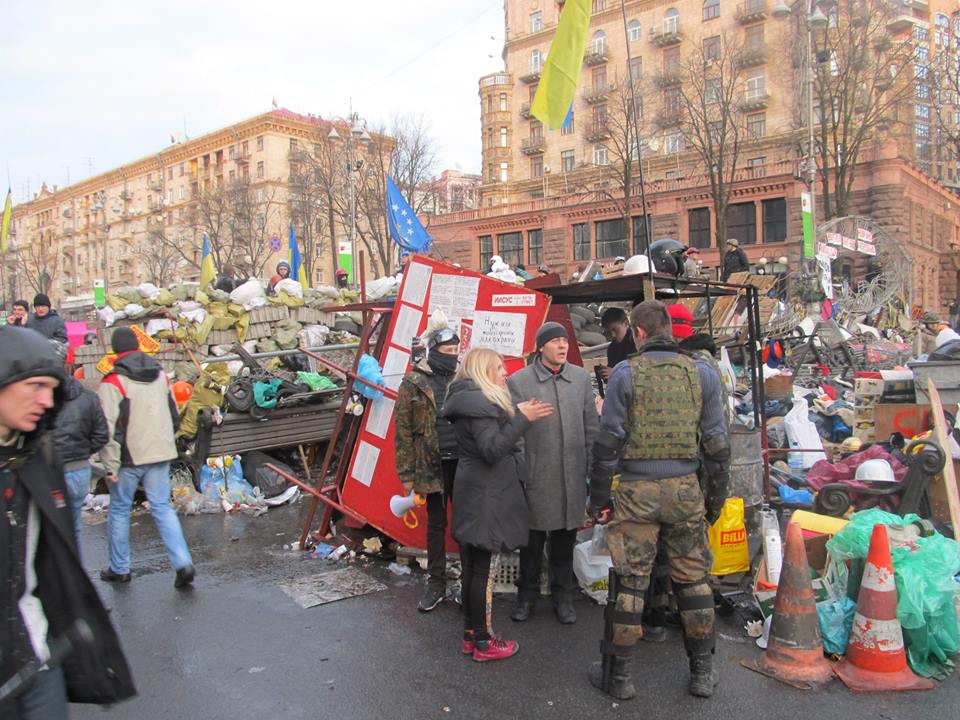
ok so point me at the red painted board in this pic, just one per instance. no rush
(488, 312)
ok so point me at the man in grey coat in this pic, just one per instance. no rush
(556, 453)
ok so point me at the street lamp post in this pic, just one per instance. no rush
(358, 134)
(815, 20)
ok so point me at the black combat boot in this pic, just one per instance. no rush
(703, 676)
(621, 686)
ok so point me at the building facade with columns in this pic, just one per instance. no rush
(546, 198)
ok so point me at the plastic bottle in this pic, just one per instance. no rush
(772, 546)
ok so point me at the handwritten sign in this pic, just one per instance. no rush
(849, 243)
(513, 300)
(865, 235)
(503, 332)
(866, 248)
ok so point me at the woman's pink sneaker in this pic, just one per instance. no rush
(494, 649)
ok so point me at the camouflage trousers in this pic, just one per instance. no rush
(670, 510)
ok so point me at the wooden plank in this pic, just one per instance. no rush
(940, 433)
(908, 419)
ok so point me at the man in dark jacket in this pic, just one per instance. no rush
(55, 633)
(735, 259)
(142, 418)
(426, 450)
(80, 431)
(45, 320)
(19, 313)
(557, 453)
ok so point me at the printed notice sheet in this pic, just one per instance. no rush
(407, 325)
(378, 418)
(500, 331)
(395, 367)
(455, 295)
(415, 283)
(365, 463)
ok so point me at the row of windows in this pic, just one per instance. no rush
(612, 238)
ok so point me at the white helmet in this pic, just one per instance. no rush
(636, 265)
(875, 470)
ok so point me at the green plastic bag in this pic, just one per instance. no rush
(265, 392)
(316, 381)
(926, 590)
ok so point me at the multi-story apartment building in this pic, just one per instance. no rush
(549, 196)
(451, 191)
(145, 220)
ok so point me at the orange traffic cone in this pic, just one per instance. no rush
(875, 659)
(794, 650)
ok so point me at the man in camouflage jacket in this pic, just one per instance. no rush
(426, 451)
(662, 418)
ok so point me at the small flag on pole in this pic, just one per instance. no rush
(297, 270)
(404, 225)
(208, 273)
(5, 226)
(558, 84)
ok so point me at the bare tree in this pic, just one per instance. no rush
(706, 99)
(253, 211)
(618, 122)
(940, 78)
(413, 159)
(861, 74)
(315, 202)
(38, 263)
(370, 196)
(160, 261)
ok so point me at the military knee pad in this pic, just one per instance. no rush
(625, 615)
(695, 603)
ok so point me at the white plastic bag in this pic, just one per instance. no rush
(107, 314)
(802, 433)
(290, 287)
(314, 335)
(155, 325)
(592, 570)
(148, 290)
(250, 294)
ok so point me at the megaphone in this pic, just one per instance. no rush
(402, 507)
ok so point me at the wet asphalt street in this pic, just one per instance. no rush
(237, 647)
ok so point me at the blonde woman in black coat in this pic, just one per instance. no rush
(489, 511)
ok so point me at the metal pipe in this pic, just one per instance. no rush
(281, 353)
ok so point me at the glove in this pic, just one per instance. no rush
(715, 482)
(600, 512)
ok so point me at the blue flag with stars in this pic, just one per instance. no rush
(405, 228)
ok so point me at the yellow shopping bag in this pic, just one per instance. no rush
(728, 540)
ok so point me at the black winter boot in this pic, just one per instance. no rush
(621, 686)
(523, 609)
(703, 676)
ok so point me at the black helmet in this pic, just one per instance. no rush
(667, 256)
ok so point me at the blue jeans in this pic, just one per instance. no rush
(156, 483)
(78, 485)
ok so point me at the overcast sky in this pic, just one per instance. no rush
(91, 85)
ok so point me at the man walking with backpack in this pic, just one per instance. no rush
(142, 418)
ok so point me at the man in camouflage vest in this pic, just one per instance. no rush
(661, 418)
(426, 450)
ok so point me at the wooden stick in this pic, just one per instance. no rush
(941, 434)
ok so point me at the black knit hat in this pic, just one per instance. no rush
(123, 340)
(41, 299)
(550, 331)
